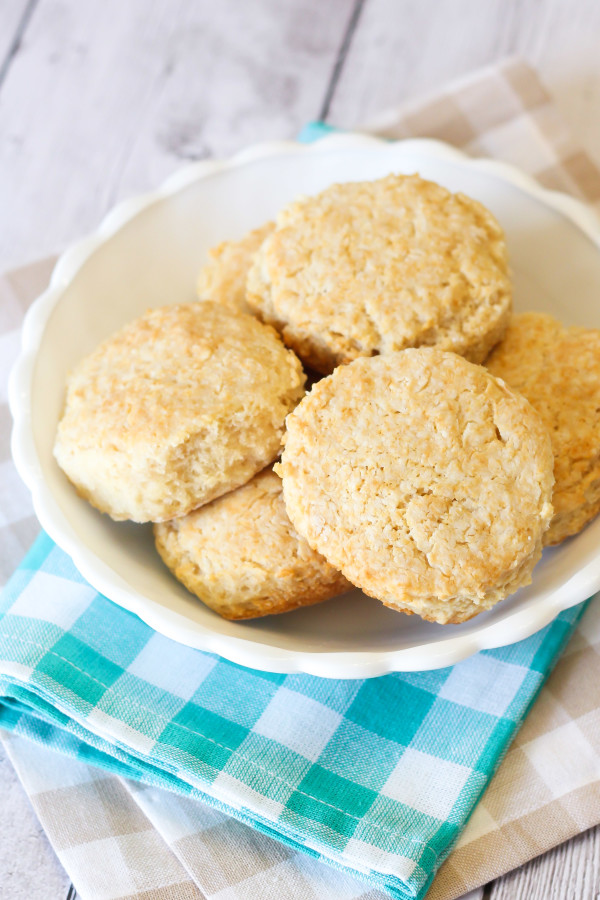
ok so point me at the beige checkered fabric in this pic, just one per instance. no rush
(548, 788)
(503, 112)
(117, 839)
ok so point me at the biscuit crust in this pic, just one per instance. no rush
(242, 557)
(223, 278)
(558, 370)
(423, 479)
(180, 406)
(372, 267)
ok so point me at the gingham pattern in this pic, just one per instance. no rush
(377, 776)
(506, 113)
(549, 799)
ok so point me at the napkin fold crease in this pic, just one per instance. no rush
(377, 776)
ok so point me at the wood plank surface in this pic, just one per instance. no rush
(106, 99)
(100, 100)
(29, 868)
(570, 872)
(403, 50)
(14, 19)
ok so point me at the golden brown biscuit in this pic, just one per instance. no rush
(558, 370)
(373, 267)
(241, 556)
(180, 406)
(423, 479)
(224, 276)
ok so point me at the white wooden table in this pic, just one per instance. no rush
(100, 99)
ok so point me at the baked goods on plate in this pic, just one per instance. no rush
(149, 252)
(243, 558)
(558, 370)
(180, 406)
(421, 477)
(372, 267)
(223, 277)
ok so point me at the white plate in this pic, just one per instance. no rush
(147, 253)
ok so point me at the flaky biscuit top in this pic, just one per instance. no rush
(241, 555)
(558, 370)
(223, 277)
(178, 407)
(374, 267)
(425, 480)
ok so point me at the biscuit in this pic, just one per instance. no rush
(423, 479)
(224, 276)
(180, 406)
(558, 370)
(241, 556)
(372, 267)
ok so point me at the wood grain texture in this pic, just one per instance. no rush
(570, 872)
(29, 869)
(13, 20)
(402, 50)
(106, 99)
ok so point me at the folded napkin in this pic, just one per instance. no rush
(377, 777)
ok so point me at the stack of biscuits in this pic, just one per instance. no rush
(443, 443)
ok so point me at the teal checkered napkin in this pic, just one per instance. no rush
(376, 776)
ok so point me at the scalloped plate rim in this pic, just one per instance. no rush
(518, 625)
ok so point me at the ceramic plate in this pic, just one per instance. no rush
(147, 253)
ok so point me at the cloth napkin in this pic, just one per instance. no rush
(376, 777)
